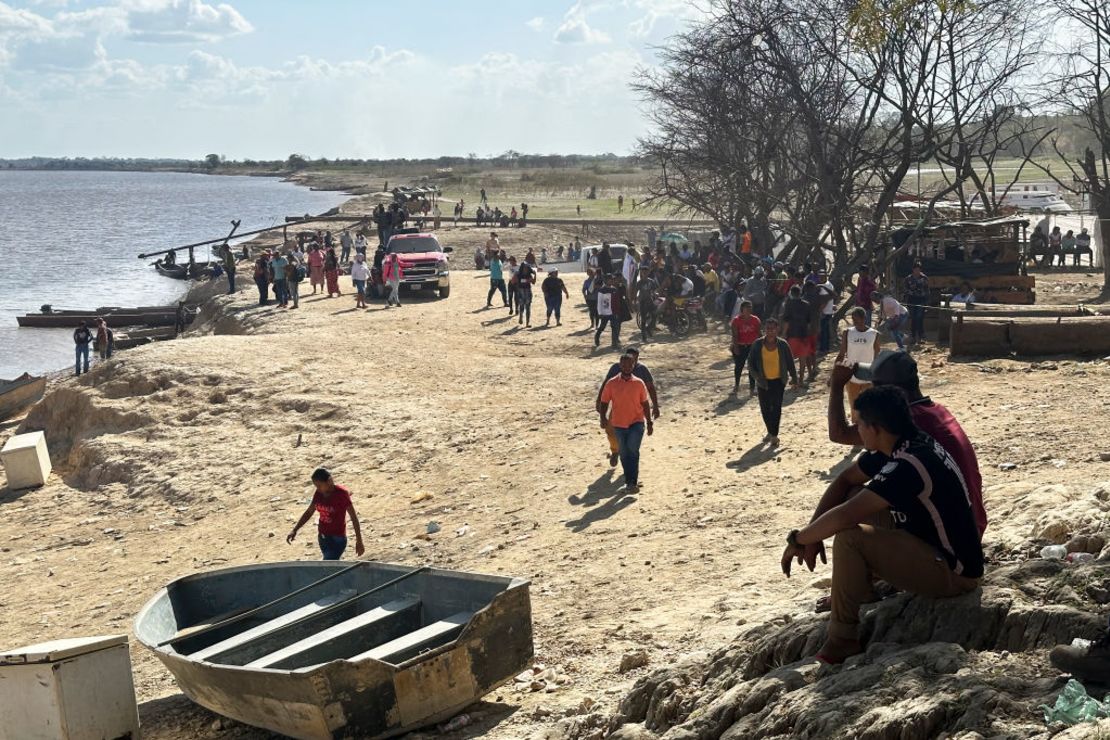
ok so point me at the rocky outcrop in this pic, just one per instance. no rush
(970, 666)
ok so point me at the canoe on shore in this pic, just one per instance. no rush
(136, 337)
(18, 394)
(181, 271)
(328, 649)
(70, 319)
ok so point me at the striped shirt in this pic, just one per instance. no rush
(928, 498)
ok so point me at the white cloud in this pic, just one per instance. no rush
(19, 21)
(656, 10)
(575, 29)
(58, 52)
(179, 21)
(536, 24)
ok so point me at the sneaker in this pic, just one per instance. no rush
(597, 342)
(774, 441)
(1091, 663)
(613, 458)
(632, 488)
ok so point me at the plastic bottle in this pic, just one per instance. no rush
(1080, 557)
(1054, 552)
(456, 723)
(1080, 643)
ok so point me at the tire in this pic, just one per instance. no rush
(639, 320)
(681, 325)
(444, 292)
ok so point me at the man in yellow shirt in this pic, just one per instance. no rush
(769, 362)
(624, 406)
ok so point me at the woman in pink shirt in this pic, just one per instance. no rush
(316, 268)
(392, 274)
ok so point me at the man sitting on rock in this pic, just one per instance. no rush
(934, 548)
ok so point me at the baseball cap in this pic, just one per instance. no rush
(890, 368)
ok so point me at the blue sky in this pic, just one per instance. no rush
(333, 78)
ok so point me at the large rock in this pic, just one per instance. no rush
(968, 667)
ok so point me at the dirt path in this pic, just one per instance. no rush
(189, 459)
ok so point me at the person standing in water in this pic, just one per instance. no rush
(333, 503)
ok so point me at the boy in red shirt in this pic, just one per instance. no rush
(745, 332)
(333, 503)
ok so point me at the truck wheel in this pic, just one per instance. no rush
(444, 292)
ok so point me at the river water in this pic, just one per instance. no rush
(70, 239)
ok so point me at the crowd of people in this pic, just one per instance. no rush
(1055, 247)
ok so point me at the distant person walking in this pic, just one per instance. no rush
(525, 279)
(277, 277)
(262, 277)
(360, 273)
(229, 267)
(496, 281)
(392, 274)
(333, 505)
(624, 407)
(345, 244)
(745, 333)
(554, 289)
(105, 340)
(640, 371)
(916, 293)
(331, 271)
(770, 361)
(316, 268)
(82, 337)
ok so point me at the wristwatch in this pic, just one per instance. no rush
(792, 538)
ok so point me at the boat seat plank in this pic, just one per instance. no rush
(269, 626)
(378, 620)
(417, 640)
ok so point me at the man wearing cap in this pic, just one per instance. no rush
(553, 291)
(898, 369)
(623, 405)
(932, 547)
(333, 504)
(640, 371)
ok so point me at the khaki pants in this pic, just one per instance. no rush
(614, 445)
(853, 390)
(863, 553)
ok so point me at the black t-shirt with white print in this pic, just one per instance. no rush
(928, 498)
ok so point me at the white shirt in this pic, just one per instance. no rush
(861, 348)
(360, 271)
(629, 268)
(604, 304)
(830, 306)
(688, 286)
(891, 307)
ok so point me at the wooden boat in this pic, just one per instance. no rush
(18, 394)
(135, 337)
(181, 271)
(328, 649)
(70, 319)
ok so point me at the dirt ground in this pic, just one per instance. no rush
(195, 454)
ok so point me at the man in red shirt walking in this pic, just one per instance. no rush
(333, 504)
(745, 332)
(624, 405)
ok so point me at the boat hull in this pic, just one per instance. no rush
(364, 698)
(114, 320)
(19, 394)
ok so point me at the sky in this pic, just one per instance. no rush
(262, 79)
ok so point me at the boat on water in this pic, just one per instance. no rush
(55, 319)
(18, 394)
(135, 337)
(184, 271)
(327, 649)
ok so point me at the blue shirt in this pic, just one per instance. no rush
(278, 264)
(495, 270)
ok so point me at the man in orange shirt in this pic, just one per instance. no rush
(624, 405)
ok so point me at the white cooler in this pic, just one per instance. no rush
(74, 689)
(26, 460)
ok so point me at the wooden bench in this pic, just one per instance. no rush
(269, 627)
(403, 648)
(382, 624)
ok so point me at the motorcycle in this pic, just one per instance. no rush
(695, 312)
(675, 319)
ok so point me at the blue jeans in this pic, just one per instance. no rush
(360, 286)
(629, 439)
(554, 306)
(917, 320)
(231, 282)
(332, 546)
(281, 294)
(893, 325)
(82, 351)
(825, 337)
